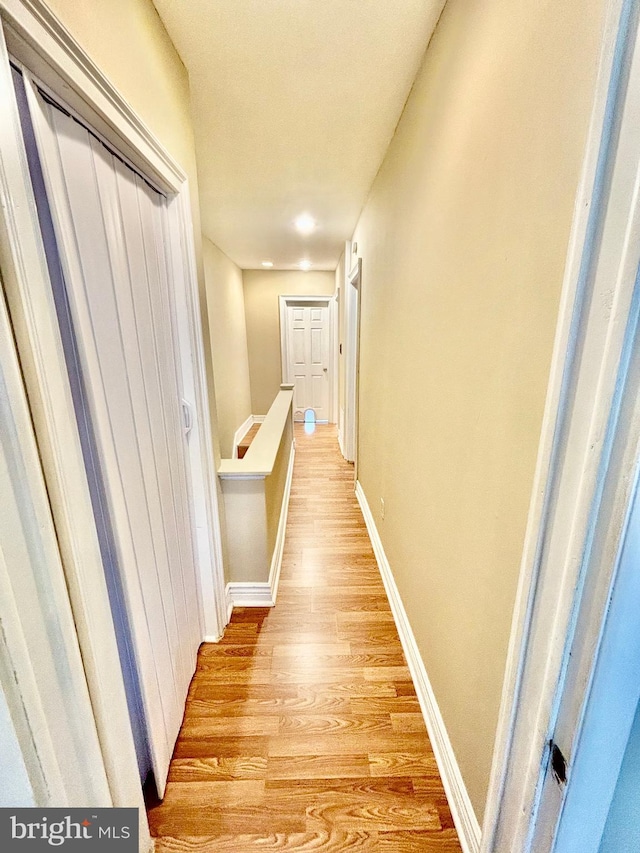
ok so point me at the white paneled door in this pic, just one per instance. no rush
(308, 358)
(111, 230)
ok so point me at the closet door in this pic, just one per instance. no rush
(110, 226)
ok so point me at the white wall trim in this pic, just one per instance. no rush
(240, 433)
(341, 430)
(51, 52)
(352, 307)
(258, 419)
(459, 802)
(229, 604)
(247, 594)
(278, 551)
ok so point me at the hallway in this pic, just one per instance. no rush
(302, 730)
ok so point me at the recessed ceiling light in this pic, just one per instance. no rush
(305, 223)
(267, 264)
(305, 265)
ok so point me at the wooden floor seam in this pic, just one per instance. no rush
(302, 730)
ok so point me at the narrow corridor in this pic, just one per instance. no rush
(302, 730)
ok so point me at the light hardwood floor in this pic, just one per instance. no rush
(302, 730)
(244, 443)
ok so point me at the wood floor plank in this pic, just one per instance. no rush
(385, 705)
(348, 743)
(408, 841)
(349, 689)
(221, 747)
(204, 726)
(219, 769)
(334, 841)
(209, 794)
(316, 650)
(408, 763)
(407, 721)
(322, 724)
(346, 813)
(275, 705)
(317, 767)
(303, 732)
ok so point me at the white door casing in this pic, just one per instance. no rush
(599, 742)
(352, 357)
(308, 348)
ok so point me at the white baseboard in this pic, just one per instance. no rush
(240, 433)
(229, 602)
(341, 430)
(258, 419)
(459, 802)
(278, 551)
(247, 594)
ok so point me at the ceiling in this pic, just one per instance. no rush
(294, 104)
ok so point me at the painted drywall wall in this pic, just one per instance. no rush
(130, 45)
(262, 309)
(463, 240)
(225, 307)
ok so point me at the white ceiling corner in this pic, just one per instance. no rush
(294, 103)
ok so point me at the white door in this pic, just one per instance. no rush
(308, 359)
(111, 231)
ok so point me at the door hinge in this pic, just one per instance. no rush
(558, 763)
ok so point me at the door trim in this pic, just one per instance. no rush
(587, 352)
(352, 362)
(37, 38)
(331, 304)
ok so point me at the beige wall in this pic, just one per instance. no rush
(129, 43)
(262, 309)
(225, 304)
(463, 241)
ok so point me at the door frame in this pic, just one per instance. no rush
(584, 410)
(330, 302)
(32, 34)
(352, 307)
(613, 688)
